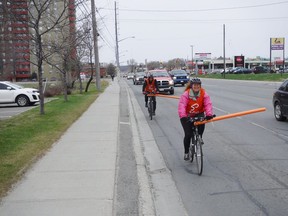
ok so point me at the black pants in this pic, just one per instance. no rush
(153, 99)
(188, 132)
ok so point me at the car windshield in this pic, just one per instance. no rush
(160, 74)
(140, 74)
(178, 72)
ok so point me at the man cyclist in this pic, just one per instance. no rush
(150, 86)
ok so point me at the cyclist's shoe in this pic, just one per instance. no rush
(201, 141)
(186, 157)
(146, 105)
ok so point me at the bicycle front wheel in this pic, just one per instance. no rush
(199, 155)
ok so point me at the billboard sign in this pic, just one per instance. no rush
(239, 61)
(202, 56)
(277, 43)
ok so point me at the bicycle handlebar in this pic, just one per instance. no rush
(199, 120)
(149, 94)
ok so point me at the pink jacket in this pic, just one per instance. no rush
(183, 101)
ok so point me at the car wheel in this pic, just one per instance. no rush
(172, 92)
(22, 100)
(278, 112)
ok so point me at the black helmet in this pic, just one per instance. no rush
(195, 80)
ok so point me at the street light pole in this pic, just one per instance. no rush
(117, 49)
(192, 58)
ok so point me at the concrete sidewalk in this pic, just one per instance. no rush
(78, 175)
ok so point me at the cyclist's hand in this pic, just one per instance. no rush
(209, 117)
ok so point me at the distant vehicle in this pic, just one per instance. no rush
(281, 70)
(164, 80)
(130, 75)
(228, 70)
(138, 78)
(260, 69)
(12, 93)
(179, 77)
(242, 71)
(280, 102)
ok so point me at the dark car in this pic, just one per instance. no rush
(242, 70)
(179, 77)
(280, 102)
(260, 69)
(139, 78)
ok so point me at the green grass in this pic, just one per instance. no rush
(26, 137)
(259, 77)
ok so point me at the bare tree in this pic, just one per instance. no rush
(111, 69)
(68, 66)
(44, 21)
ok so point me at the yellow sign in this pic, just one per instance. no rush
(277, 43)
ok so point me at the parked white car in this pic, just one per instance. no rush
(13, 93)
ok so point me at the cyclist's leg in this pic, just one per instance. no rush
(154, 104)
(146, 100)
(187, 127)
(201, 129)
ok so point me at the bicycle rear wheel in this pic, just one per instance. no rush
(199, 155)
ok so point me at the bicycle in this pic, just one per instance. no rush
(195, 149)
(150, 105)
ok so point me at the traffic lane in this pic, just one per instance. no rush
(243, 163)
(233, 96)
(10, 110)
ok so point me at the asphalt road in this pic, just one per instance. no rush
(245, 158)
(9, 110)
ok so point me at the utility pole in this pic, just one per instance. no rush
(117, 42)
(224, 55)
(96, 51)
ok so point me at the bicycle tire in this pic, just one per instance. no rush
(199, 155)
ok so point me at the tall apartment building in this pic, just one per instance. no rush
(15, 38)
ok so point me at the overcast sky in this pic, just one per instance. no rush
(166, 29)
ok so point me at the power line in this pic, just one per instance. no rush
(201, 10)
(106, 41)
(202, 20)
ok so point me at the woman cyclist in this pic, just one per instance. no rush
(193, 102)
(150, 86)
